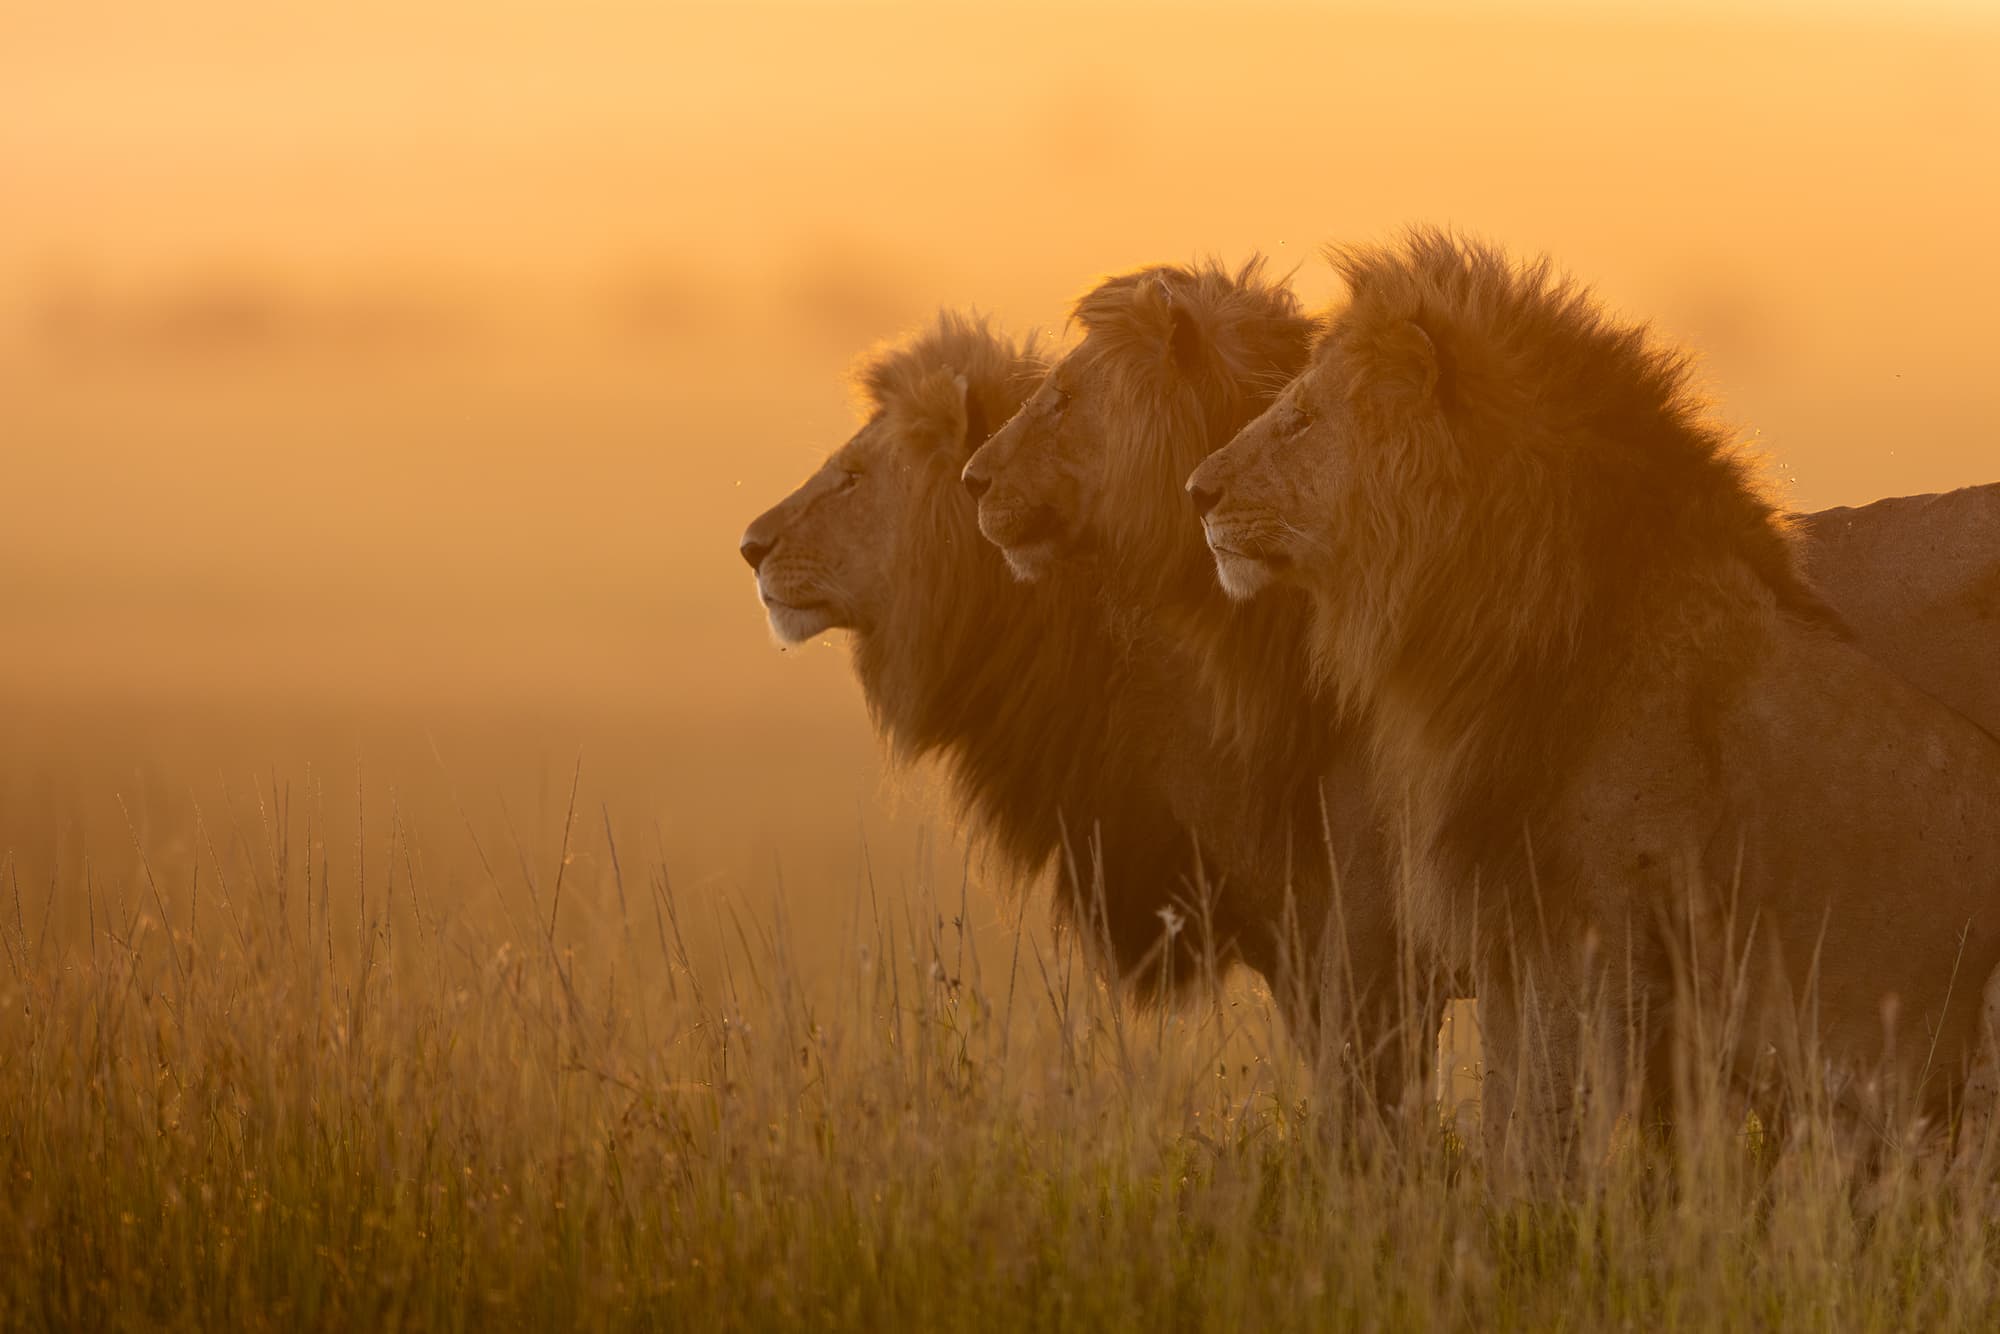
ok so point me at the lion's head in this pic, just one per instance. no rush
(827, 556)
(1172, 360)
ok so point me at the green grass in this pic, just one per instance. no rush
(258, 1091)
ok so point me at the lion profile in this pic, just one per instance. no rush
(1173, 361)
(1596, 684)
(1087, 476)
(1057, 731)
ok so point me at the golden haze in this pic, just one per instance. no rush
(391, 384)
(383, 390)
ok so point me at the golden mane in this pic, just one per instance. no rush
(1174, 361)
(1023, 693)
(1186, 356)
(1621, 733)
(1508, 435)
(918, 376)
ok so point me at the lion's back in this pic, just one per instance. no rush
(1918, 580)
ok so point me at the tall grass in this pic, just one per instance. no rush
(251, 1086)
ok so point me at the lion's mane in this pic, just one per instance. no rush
(1187, 355)
(1179, 358)
(1044, 718)
(1510, 436)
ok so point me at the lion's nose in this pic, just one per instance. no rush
(976, 483)
(754, 551)
(1203, 498)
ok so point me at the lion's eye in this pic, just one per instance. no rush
(1296, 421)
(848, 480)
(1059, 399)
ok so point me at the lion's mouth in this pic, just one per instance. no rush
(1256, 555)
(1242, 546)
(1243, 565)
(1039, 527)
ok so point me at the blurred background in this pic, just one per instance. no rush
(384, 387)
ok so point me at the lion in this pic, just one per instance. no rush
(1173, 359)
(1087, 476)
(1622, 735)
(1070, 746)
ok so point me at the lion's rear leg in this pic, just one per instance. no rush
(1557, 1086)
(1372, 1037)
(1974, 1150)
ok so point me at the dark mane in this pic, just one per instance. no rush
(1188, 355)
(1025, 695)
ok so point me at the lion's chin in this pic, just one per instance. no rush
(1242, 577)
(1030, 563)
(796, 624)
(1032, 537)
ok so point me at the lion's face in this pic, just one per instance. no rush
(824, 555)
(1038, 474)
(1267, 498)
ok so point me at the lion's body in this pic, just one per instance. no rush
(1624, 731)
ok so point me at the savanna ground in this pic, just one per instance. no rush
(380, 491)
(312, 1050)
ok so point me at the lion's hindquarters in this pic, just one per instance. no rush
(1794, 870)
(1868, 817)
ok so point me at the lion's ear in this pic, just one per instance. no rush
(1186, 342)
(977, 428)
(941, 415)
(1421, 360)
(1184, 336)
